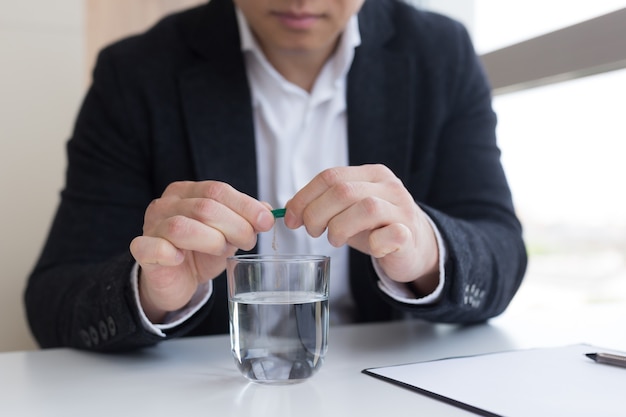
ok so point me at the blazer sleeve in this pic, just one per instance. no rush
(79, 293)
(467, 196)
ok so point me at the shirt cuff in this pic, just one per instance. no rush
(173, 318)
(400, 291)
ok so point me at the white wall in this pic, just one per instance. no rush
(41, 86)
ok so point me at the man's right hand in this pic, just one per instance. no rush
(187, 235)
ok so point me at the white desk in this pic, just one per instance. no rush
(197, 376)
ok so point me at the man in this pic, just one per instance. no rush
(370, 121)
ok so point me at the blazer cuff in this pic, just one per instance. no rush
(400, 291)
(173, 318)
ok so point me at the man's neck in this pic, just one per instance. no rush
(301, 69)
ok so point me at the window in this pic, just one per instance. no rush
(563, 148)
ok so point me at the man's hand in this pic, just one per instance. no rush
(187, 235)
(368, 208)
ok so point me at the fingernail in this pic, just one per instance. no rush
(290, 220)
(265, 221)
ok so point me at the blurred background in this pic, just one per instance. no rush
(559, 91)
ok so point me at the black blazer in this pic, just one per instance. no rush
(174, 104)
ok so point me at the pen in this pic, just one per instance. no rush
(608, 358)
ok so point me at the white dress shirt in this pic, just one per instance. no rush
(297, 135)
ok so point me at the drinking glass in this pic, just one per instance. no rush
(278, 308)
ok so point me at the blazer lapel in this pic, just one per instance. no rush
(379, 131)
(217, 102)
(219, 120)
(380, 104)
(380, 96)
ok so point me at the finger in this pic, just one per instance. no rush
(328, 179)
(157, 210)
(209, 267)
(189, 234)
(155, 251)
(394, 238)
(315, 188)
(403, 255)
(236, 230)
(253, 211)
(164, 288)
(365, 215)
(350, 203)
(256, 213)
(336, 200)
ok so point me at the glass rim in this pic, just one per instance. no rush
(286, 257)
